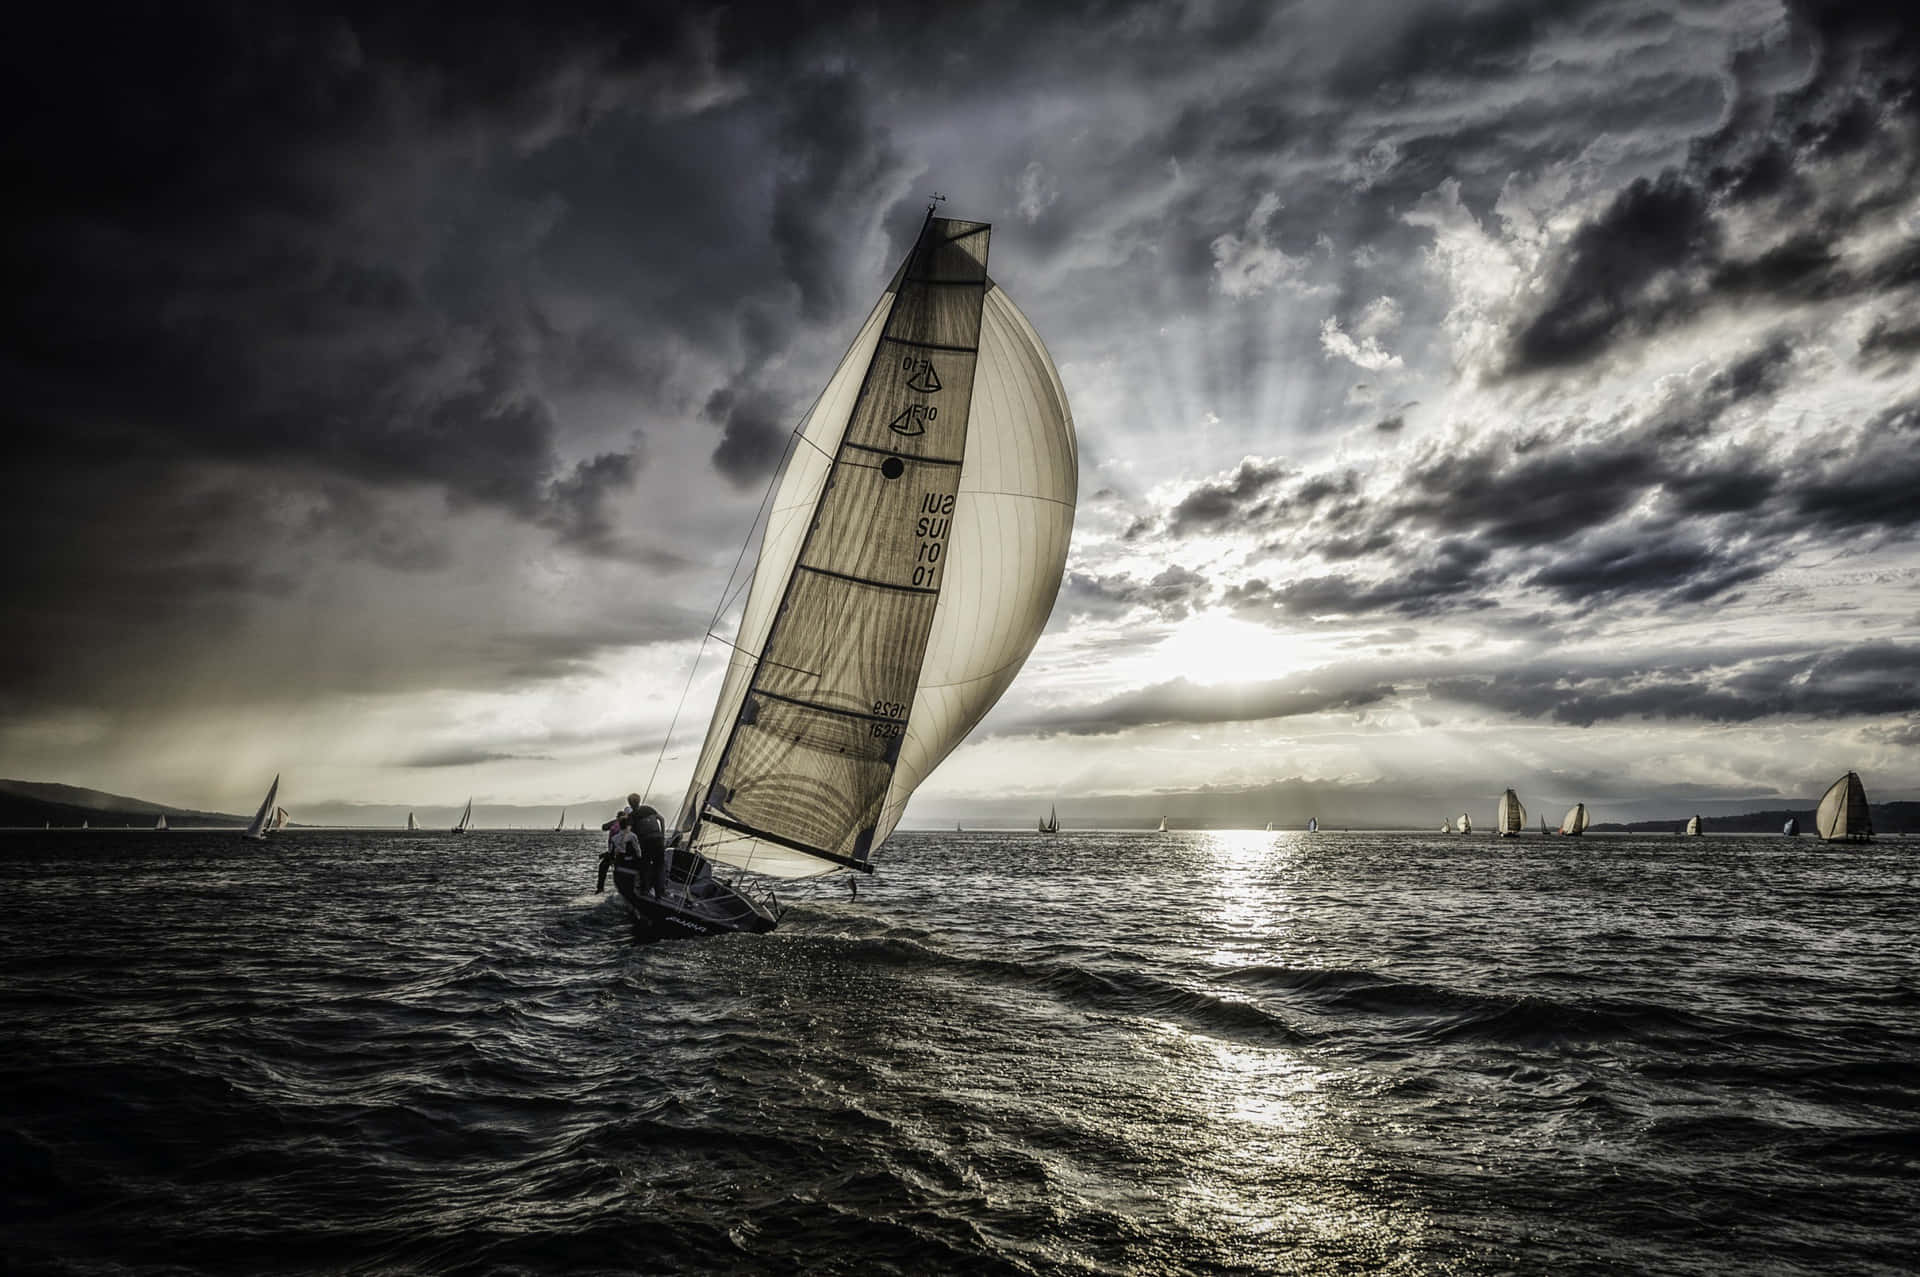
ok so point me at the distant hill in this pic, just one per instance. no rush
(1888, 818)
(30, 804)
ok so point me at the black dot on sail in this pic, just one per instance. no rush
(893, 467)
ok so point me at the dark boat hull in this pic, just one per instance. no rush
(679, 916)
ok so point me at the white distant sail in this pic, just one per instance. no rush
(1693, 827)
(83, 824)
(1269, 828)
(411, 826)
(279, 820)
(1843, 814)
(1466, 823)
(258, 826)
(1051, 825)
(1792, 827)
(563, 821)
(1576, 821)
(1313, 824)
(1446, 826)
(911, 556)
(1163, 825)
(1511, 817)
(466, 818)
(160, 825)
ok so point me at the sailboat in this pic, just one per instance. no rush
(1269, 828)
(1051, 825)
(83, 824)
(1510, 818)
(1313, 824)
(1576, 820)
(912, 552)
(259, 826)
(1466, 823)
(1693, 827)
(1843, 814)
(412, 825)
(562, 824)
(1792, 828)
(1163, 825)
(160, 825)
(466, 818)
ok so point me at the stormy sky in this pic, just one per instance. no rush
(1468, 394)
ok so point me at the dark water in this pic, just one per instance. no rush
(1103, 1053)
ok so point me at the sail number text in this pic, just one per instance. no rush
(935, 522)
(893, 710)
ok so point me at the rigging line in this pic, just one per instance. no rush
(766, 500)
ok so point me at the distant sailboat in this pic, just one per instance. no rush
(1269, 828)
(1313, 824)
(1544, 831)
(1843, 814)
(562, 823)
(1792, 829)
(1163, 825)
(412, 826)
(1693, 829)
(1466, 823)
(1576, 821)
(1511, 817)
(957, 829)
(913, 549)
(466, 818)
(1051, 825)
(1446, 826)
(259, 826)
(83, 824)
(160, 825)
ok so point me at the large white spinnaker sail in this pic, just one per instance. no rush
(911, 556)
(257, 827)
(1576, 820)
(1511, 817)
(1843, 813)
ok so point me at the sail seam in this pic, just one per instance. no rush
(932, 345)
(904, 456)
(727, 822)
(862, 580)
(829, 709)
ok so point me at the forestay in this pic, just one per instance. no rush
(910, 559)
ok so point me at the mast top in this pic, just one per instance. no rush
(933, 200)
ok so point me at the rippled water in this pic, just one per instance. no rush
(1101, 1053)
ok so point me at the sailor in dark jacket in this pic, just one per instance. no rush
(652, 834)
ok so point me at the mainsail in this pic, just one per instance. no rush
(1466, 823)
(465, 817)
(257, 827)
(563, 821)
(911, 556)
(1576, 820)
(1511, 817)
(411, 826)
(1313, 824)
(1051, 825)
(1163, 825)
(1792, 827)
(1446, 826)
(1693, 826)
(161, 824)
(1843, 813)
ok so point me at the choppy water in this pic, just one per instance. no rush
(1102, 1053)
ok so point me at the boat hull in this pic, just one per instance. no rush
(677, 916)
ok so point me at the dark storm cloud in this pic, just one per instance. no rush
(1180, 701)
(457, 757)
(1452, 578)
(1237, 498)
(1798, 173)
(1866, 679)
(1171, 594)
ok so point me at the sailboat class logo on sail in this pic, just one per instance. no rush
(911, 554)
